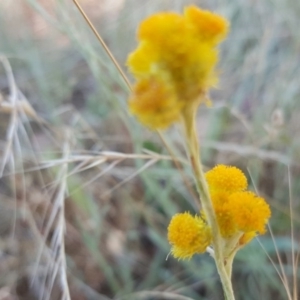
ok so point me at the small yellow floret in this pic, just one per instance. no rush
(163, 29)
(250, 212)
(226, 178)
(188, 235)
(143, 59)
(154, 102)
(210, 27)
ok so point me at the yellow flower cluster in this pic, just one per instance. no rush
(238, 211)
(174, 64)
(240, 215)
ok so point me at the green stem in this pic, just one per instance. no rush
(228, 265)
(229, 251)
(189, 119)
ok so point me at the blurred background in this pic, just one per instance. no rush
(83, 184)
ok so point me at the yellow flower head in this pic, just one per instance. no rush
(180, 49)
(237, 211)
(226, 178)
(250, 212)
(188, 235)
(142, 61)
(210, 27)
(163, 29)
(154, 102)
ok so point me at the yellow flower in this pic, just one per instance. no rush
(250, 212)
(210, 27)
(237, 211)
(165, 29)
(226, 178)
(142, 61)
(188, 235)
(180, 49)
(154, 102)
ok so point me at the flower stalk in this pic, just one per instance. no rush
(189, 122)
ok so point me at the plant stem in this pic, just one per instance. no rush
(228, 265)
(189, 120)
